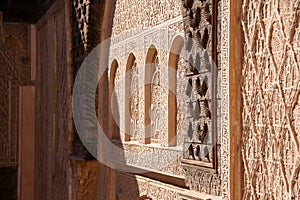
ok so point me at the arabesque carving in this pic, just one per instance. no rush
(271, 89)
(132, 14)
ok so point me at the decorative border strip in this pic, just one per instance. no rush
(225, 137)
(128, 36)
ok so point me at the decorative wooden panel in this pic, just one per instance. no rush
(202, 76)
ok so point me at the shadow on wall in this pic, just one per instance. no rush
(92, 179)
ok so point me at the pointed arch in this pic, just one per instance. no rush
(175, 50)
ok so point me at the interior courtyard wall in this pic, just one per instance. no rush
(131, 42)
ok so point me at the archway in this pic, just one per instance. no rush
(175, 50)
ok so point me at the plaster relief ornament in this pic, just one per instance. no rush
(157, 111)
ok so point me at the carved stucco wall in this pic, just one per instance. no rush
(139, 46)
(135, 14)
(137, 40)
(133, 18)
(271, 117)
(146, 187)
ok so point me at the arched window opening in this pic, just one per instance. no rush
(174, 61)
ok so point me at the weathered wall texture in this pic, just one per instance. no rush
(271, 120)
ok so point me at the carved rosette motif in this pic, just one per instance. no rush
(271, 89)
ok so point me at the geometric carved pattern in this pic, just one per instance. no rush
(224, 65)
(271, 89)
